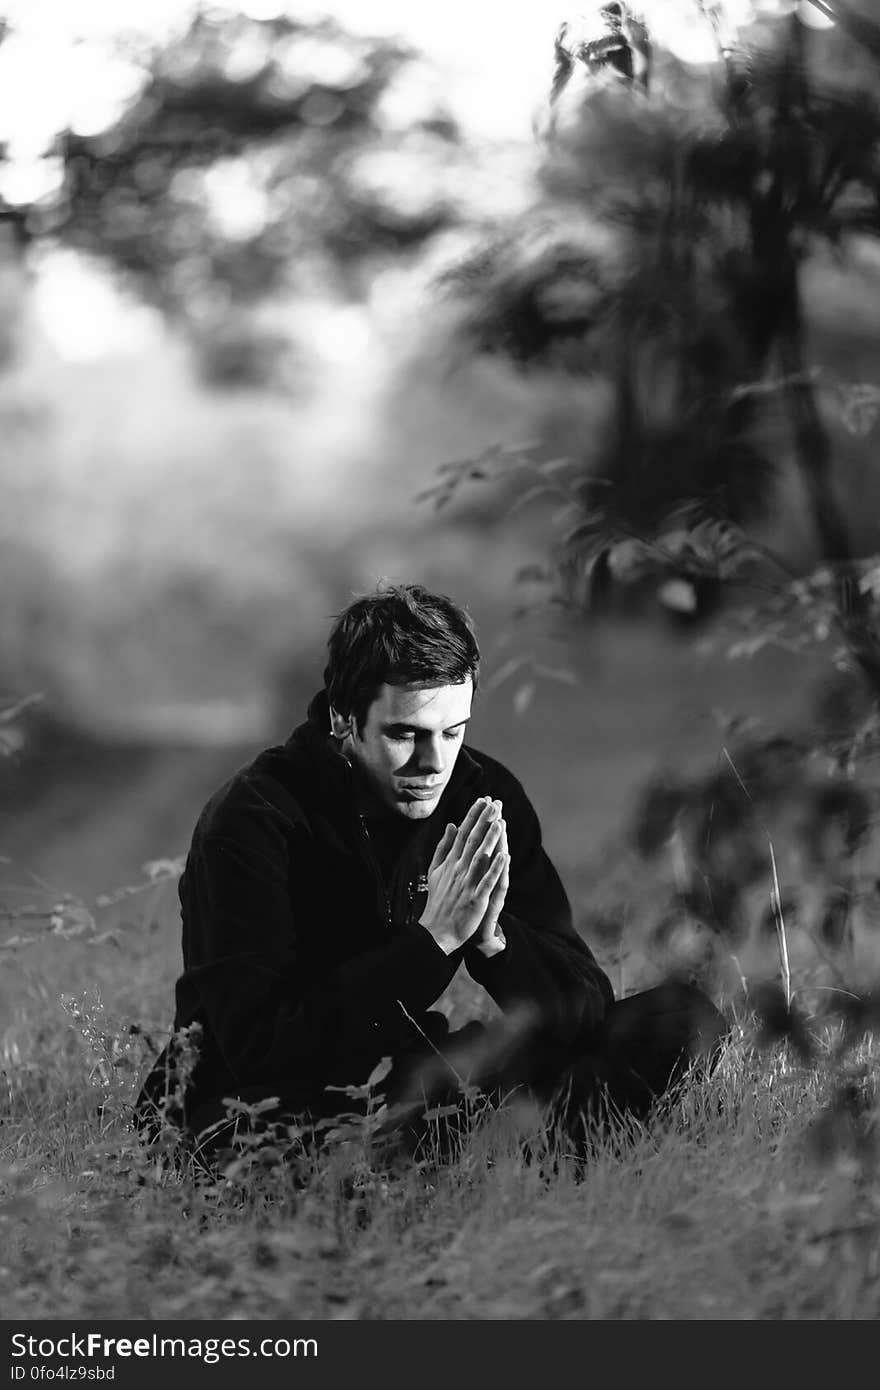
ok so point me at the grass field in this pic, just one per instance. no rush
(757, 1197)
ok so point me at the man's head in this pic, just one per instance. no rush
(403, 666)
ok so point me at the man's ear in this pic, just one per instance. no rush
(341, 725)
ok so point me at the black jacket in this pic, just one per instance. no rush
(298, 953)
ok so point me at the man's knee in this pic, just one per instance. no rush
(672, 1017)
(644, 1049)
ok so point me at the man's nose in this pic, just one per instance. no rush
(430, 756)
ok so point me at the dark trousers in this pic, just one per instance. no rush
(637, 1057)
(643, 1049)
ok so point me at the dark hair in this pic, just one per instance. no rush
(403, 635)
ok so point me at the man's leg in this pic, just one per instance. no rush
(643, 1048)
(430, 1078)
(641, 1052)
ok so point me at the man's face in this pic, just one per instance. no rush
(409, 744)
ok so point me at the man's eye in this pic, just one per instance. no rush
(455, 733)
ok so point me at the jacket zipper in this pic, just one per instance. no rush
(384, 900)
(413, 887)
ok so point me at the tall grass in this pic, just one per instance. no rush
(755, 1196)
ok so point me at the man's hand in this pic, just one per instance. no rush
(463, 875)
(489, 938)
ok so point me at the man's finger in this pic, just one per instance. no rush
(444, 845)
(504, 845)
(499, 892)
(473, 844)
(496, 900)
(485, 851)
(467, 825)
(492, 874)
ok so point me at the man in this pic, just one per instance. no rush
(335, 886)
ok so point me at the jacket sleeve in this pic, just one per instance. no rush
(270, 1017)
(546, 967)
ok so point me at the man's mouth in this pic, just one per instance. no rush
(421, 793)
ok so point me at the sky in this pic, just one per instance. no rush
(64, 65)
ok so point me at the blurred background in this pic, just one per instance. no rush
(265, 269)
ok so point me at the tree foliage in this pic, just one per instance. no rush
(260, 158)
(664, 260)
(663, 268)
